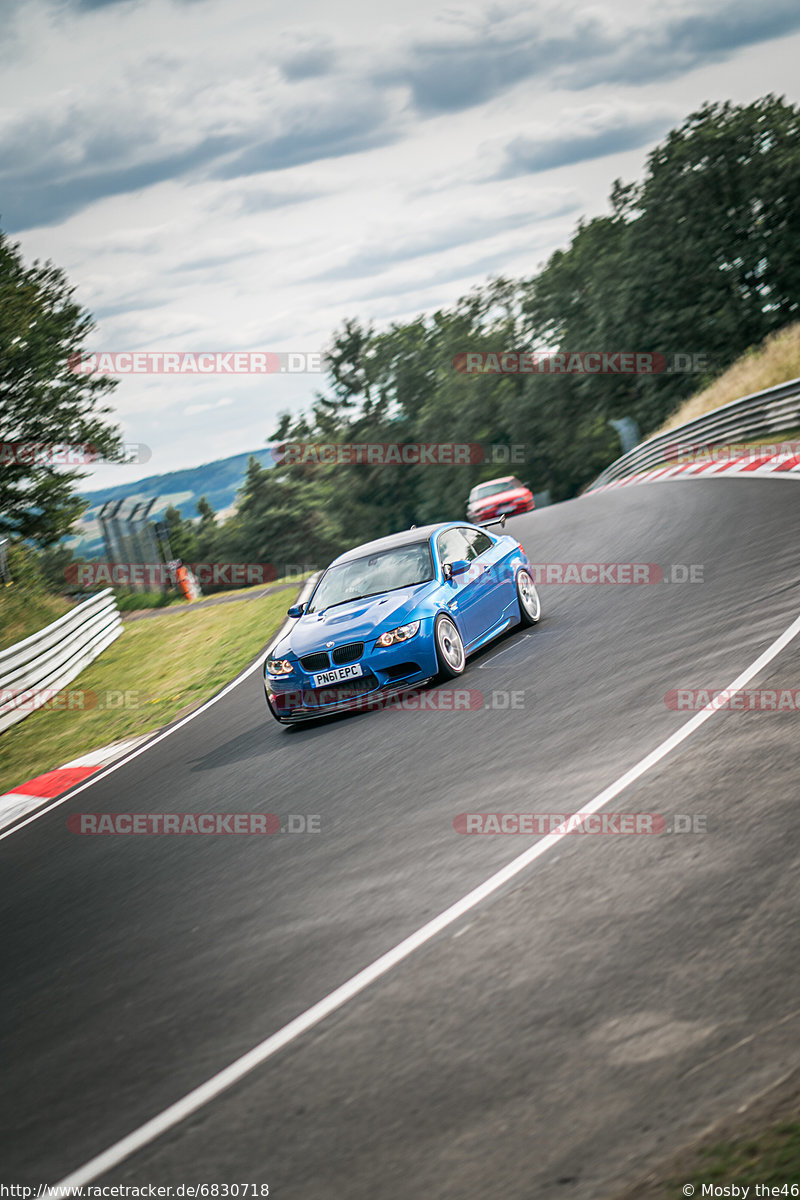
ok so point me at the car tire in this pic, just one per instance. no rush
(450, 652)
(530, 607)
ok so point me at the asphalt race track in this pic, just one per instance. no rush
(597, 1011)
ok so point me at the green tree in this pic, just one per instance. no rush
(182, 535)
(44, 403)
(280, 520)
(53, 566)
(699, 258)
(206, 530)
(714, 251)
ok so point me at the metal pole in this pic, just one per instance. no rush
(118, 536)
(137, 549)
(102, 521)
(148, 532)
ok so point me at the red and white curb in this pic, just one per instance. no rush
(27, 796)
(785, 466)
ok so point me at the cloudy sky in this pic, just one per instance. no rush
(243, 174)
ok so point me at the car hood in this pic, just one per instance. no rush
(357, 620)
(499, 498)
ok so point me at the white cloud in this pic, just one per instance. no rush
(217, 177)
(193, 409)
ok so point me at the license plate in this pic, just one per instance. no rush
(337, 675)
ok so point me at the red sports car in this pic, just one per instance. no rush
(498, 496)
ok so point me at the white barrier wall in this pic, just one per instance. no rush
(34, 669)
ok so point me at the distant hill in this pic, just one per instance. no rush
(218, 481)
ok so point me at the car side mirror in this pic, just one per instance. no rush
(296, 610)
(457, 567)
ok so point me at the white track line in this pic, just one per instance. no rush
(231, 1074)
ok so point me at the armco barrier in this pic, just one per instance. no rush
(47, 661)
(764, 413)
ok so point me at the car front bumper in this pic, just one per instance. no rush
(387, 672)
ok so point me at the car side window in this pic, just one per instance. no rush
(480, 541)
(471, 551)
(452, 546)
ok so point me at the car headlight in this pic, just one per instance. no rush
(401, 634)
(279, 666)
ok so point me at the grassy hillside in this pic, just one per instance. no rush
(776, 360)
(218, 480)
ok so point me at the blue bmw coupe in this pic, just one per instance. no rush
(395, 613)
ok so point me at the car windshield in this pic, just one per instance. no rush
(494, 488)
(399, 567)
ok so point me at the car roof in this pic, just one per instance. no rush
(500, 479)
(406, 537)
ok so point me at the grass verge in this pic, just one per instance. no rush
(771, 1157)
(758, 1146)
(176, 603)
(774, 361)
(153, 671)
(24, 611)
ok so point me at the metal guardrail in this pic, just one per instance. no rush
(768, 412)
(33, 670)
